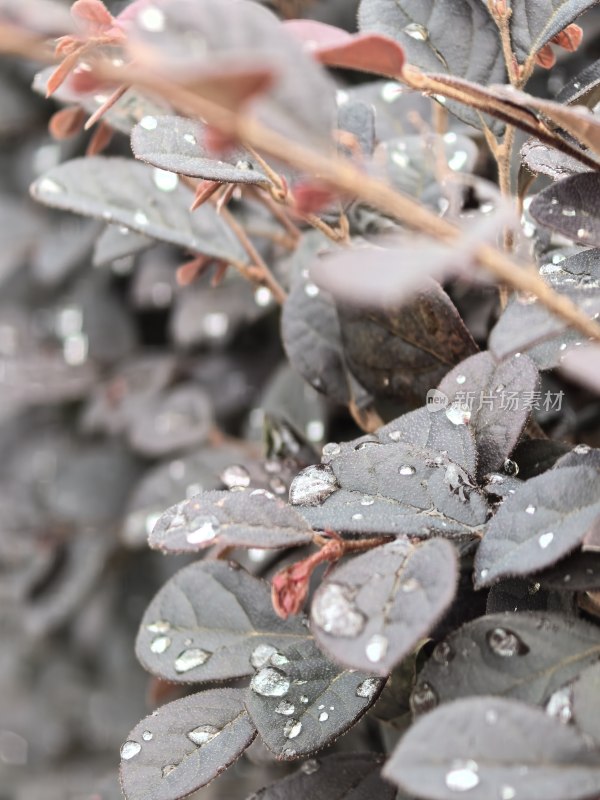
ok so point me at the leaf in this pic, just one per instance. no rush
(342, 776)
(178, 419)
(433, 37)
(123, 192)
(373, 611)
(571, 208)
(579, 572)
(392, 489)
(526, 656)
(184, 745)
(177, 144)
(532, 25)
(498, 748)
(207, 621)
(544, 160)
(582, 702)
(494, 396)
(583, 88)
(402, 352)
(539, 524)
(117, 241)
(201, 39)
(300, 701)
(310, 331)
(338, 48)
(242, 518)
(358, 119)
(583, 366)
(528, 327)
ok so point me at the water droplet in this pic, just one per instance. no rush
(189, 138)
(263, 297)
(367, 500)
(289, 752)
(278, 485)
(151, 19)
(147, 736)
(49, 186)
(406, 469)
(311, 289)
(292, 728)
(458, 413)
(323, 716)
(412, 584)
(583, 233)
(235, 475)
(168, 770)
(215, 325)
(483, 574)
(394, 436)
(560, 704)
(313, 485)
(190, 659)
(315, 430)
(544, 539)
(505, 643)
(463, 776)
(582, 449)
(423, 698)
(510, 467)
(270, 682)
(160, 645)
(443, 654)
(530, 509)
(148, 123)
(160, 626)
(279, 660)
(461, 379)
(367, 688)
(140, 218)
(285, 708)
(376, 648)
(458, 160)
(130, 749)
(310, 767)
(203, 529)
(164, 180)
(491, 717)
(261, 655)
(416, 31)
(203, 734)
(390, 92)
(569, 212)
(331, 449)
(507, 793)
(400, 159)
(334, 611)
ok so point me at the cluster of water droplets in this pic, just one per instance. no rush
(313, 485)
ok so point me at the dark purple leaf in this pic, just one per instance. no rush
(428, 33)
(300, 701)
(532, 25)
(403, 351)
(583, 366)
(117, 241)
(498, 748)
(583, 88)
(184, 745)
(124, 192)
(542, 522)
(577, 573)
(571, 208)
(372, 612)
(207, 622)
(389, 489)
(178, 419)
(358, 119)
(494, 399)
(243, 518)
(526, 656)
(542, 159)
(176, 144)
(342, 776)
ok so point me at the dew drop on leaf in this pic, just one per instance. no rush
(285, 708)
(151, 19)
(560, 704)
(160, 626)
(190, 659)
(367, 500)
(313, 485)
(235, 475)
(49, 186)
(463, 776)
(203, 529)
(406, 469)
(261, 655)
(130, 749)
(164, 180)
(443, 654)
(203, 734)
(168, 769)
(423, 698)
(323, 716)
(505, 643)
(416, 31)
(147, 736)
(530, 509)
(148, 123)
(270, 682)
(376, 648)
(510, 467)
(545, 539)
(331, 449)
(458, 413)
(334, 611)
(160, 645)
(310, 767)
(292, 728)
(367, 688)
(507, 793)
